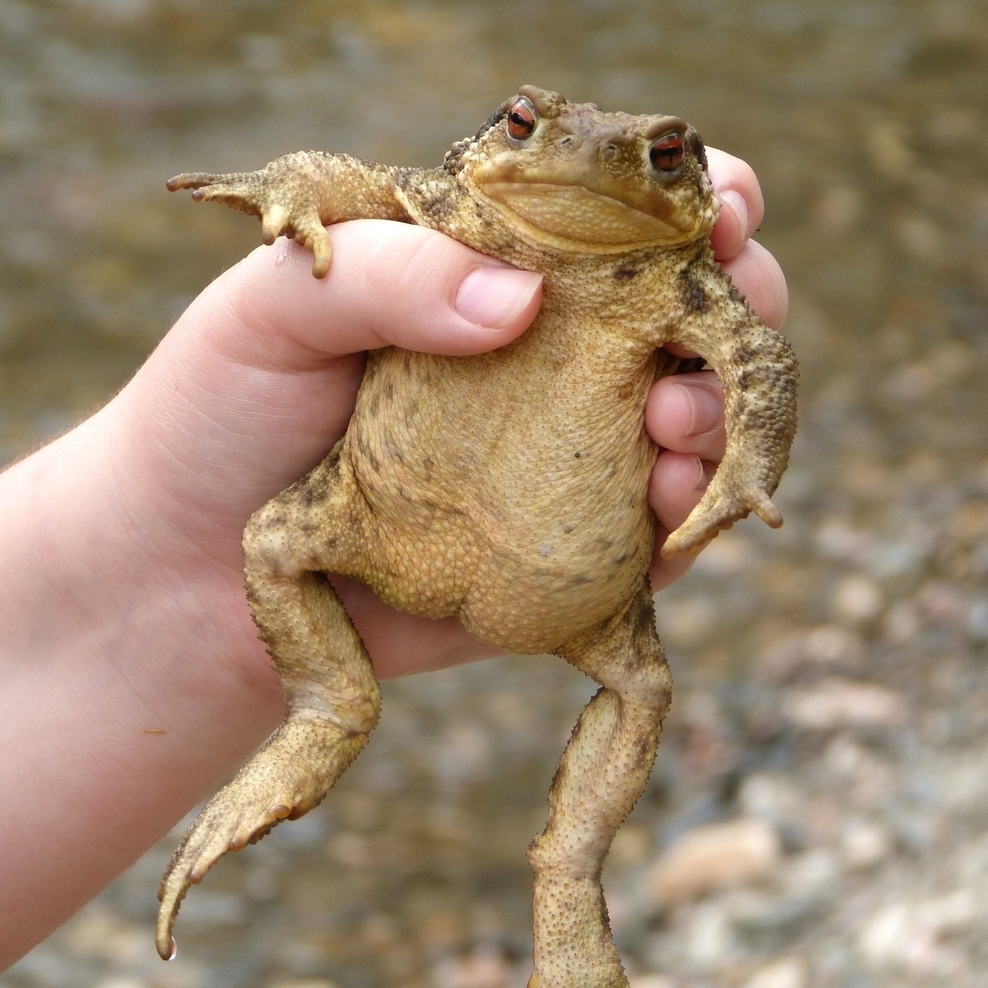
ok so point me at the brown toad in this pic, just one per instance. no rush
(507, 489)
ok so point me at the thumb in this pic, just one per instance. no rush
(389, 283)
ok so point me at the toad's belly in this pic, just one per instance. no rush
(522, 566)
(524, 515)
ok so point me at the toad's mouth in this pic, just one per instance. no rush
(590, 217)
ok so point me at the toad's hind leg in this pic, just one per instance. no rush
(602, 773)
(332, 699)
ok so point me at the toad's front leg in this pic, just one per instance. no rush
(298, 194)
(602, 773)
(758, 370)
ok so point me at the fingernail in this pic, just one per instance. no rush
(735, 202)
(494, 297)
(702, 480)
(704, 410)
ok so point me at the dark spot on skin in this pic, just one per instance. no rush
(309, 496)
(579, 580)
(643, 628)
(623, 558)
(427, 463)
(393, 448)
(568, 528)
(626, 271)
(374, 405)
(643, 747)
(389, 390)
(625, 392)
(576, 455)
(694, 297)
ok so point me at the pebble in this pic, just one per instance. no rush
(787, 972)
(99, 933)
(856, 601)
(827, 646)
(714, 856)
(122, 981)
(303, 983)
(913, 937)
(836, 702)
(650, 981)
(863, 844)
(772, 797)
(486, 967)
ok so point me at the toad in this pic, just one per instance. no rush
(507, 489)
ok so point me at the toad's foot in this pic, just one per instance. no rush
(285, 200)
(724, 502)
(284, 780)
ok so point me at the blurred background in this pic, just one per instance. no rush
(819, 812)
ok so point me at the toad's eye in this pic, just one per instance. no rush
(666, 154)
(522, 118)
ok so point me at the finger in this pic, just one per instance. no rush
(741, 202)
(662, 572)
(685, 413)
(677, 482)
(757, 274)
(389, 283)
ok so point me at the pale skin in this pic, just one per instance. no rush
(133, 678)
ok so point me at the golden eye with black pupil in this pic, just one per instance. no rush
(522, 118)
(666, 154)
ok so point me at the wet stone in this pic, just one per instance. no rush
(787, 972)
(714, 856)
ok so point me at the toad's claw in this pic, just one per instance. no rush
(718, 510)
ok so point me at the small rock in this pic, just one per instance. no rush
(689, 622)
(99, 933)
(910, 937)
(632, 845)
(122, 981)
(902, 622)
(863, 844)
(773, 797)
(486, 967)
(836, 702)
(787, 972)
(650, 981)
(209, 910)
(728, 554)
(303, 983)
(977, 624)
(857, 600)
(711, 942)
(944, 604)
(714, 856)
(836, 539)
(828, 646)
